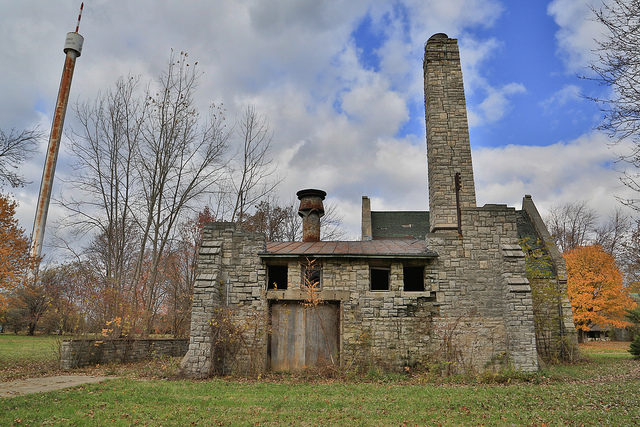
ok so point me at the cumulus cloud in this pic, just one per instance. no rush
(577, 31)
(580, 169)
(561, 97)
(496, 104)
(496, 100)
(335, 121)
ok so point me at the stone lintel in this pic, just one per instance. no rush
(444, 227)
(301, 295)
(517, 281)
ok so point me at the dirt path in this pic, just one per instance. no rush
(42, 384)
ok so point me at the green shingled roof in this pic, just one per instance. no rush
(399, 224)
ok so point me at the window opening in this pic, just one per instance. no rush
(277, 276)
(379, 279)
(413, 279)
(312, 274)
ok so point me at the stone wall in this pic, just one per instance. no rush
(483, 294)
(388, 328)
(475, 310)
(83, 352)
(555, 330)
(230, 274)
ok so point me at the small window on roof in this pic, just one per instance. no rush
(413, 279)
(379, 279)
(277, 276)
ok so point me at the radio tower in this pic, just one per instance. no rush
(72, 49)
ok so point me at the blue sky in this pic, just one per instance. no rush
(340, 83)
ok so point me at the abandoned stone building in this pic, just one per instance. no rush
(446, 285)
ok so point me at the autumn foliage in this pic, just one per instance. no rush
(14, 249)
(595, 288)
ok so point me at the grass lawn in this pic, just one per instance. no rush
(22, 355)
(604, 389)
(16, 348)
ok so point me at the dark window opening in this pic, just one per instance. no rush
(277, 277)
(379, 279)
(312, 274)
(413, 279)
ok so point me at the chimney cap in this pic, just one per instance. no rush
(310, 192)
(439, 36)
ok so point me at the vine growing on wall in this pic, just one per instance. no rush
(547, 297)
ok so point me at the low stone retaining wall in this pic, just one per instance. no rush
(83, 352)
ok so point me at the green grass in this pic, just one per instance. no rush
(24, 356)
(603, 389)
(125, 402)
(600, 360)
(19, 348)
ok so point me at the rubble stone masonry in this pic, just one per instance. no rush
(448, 148)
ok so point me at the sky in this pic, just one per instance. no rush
(340, 83)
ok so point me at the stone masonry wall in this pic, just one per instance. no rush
(388, 329)
(83, 352)
(230, 273)
(563, 338)
(485, 306)
(448, 147)
(475, 308)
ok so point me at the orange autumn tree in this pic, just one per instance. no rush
(595, 288)
(14, 250)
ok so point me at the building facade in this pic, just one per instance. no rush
(449, 285)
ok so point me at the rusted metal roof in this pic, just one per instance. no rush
(405, 248)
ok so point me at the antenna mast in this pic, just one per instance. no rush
(72, 50)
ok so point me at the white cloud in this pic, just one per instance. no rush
(294, 60)
(561, 98)
(496, 104)
(376, 107)
(554, 174)
(577, 33)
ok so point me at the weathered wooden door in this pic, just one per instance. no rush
(303, 336)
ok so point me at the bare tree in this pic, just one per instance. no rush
(252, 181)
(612, 234)
(282, 222)
(104, 148)
(292, 224)
(630, 255)
(331, 223)
(15, 148)
(268, 218)
(144, 161)
(180, 158)
(617, 65)
(571, 225)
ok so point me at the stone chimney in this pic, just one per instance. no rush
(448, 148)
(366, 219)
(311, 210)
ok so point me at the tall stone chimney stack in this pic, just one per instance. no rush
(448, 147)
(311, 210)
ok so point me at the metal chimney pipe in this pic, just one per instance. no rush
(73, 49)
(311, 210)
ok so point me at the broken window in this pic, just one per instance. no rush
(379, 279)
(277, 276)
(312, 273)
(413, 278)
